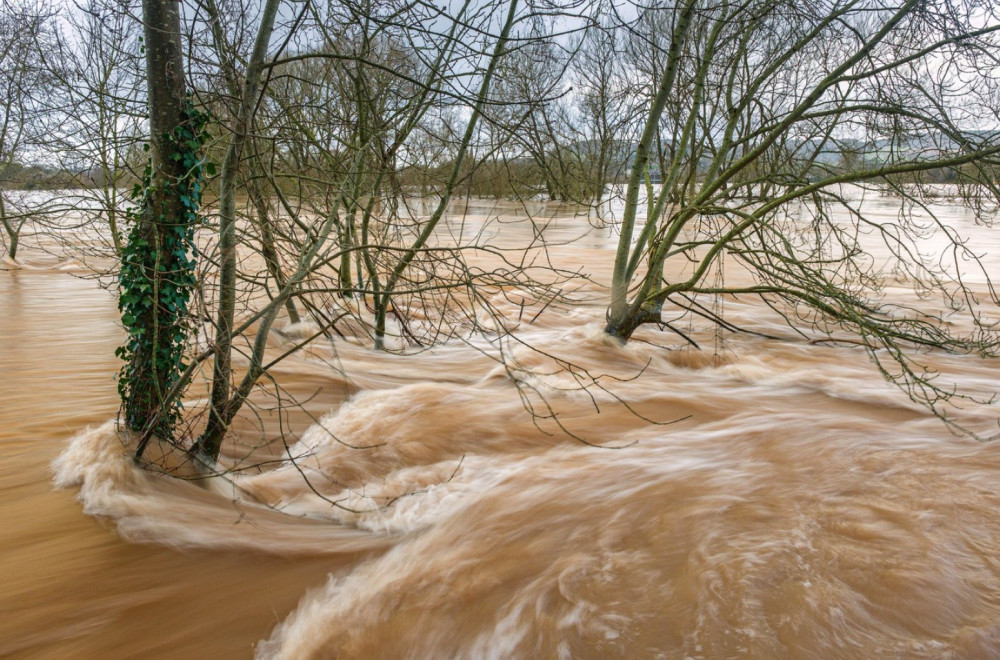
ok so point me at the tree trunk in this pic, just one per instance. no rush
(153, 333)
(222, 407)
(13, 235)
(622, 326)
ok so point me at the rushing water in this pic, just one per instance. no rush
(761, 498)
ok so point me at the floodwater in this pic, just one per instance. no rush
(762, 498)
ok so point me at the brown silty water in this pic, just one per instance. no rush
(760, 498)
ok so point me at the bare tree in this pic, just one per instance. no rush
(528, 126)
(759, 95)
(219, 413)
(605, 94)
(25, 31)
(100, 70)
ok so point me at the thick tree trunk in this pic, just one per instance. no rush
(151, 375)
(621, 326)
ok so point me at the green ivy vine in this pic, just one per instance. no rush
(157, 278)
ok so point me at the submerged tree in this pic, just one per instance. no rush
(754, 100)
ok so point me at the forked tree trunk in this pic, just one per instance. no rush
(628, 321)
(224, 402)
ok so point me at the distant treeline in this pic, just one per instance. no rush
(16, 176)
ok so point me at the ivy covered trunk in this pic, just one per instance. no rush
(157, 271)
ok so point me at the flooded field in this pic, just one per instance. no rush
(758, 498)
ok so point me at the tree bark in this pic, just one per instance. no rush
(163, 209)
(222, 411)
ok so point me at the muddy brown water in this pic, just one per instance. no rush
(770, 499)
